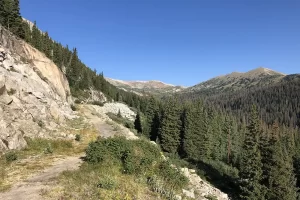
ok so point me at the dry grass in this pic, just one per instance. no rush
(35, 158)
(104, 181)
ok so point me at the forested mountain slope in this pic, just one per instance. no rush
(235, 81)
(279, 102)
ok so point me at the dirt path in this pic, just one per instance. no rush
(31, 188)
(105, 126)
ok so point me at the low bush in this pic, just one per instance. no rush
(41, 124)
(73, 107)
(211, 197)
(11, 91)
(11, 156)
(107, 183)
(171, 175)
(77, 101)
(48, 149)
(98, 103)
(77, 137)
(120, 120)
(137, 157)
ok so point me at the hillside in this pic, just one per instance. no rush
(277, 102)
(236, 81)
(67, 132)
(145, 87)
(43, 132)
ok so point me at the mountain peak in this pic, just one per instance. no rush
(238, 80)
(261, 71)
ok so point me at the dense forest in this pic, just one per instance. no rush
(248, 160)
(251, 152)
(280, 102)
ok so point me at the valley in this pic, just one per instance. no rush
(69, 132)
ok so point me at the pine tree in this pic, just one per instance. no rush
(119, 113)
(151, 115)
(10, 16)
(279, 180)
(138, 123)
(251, 165)
(170, 127)
(36, 37)
(27, 32)
(193, 132)
(228, 133)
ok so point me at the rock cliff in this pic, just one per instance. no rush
(34, 93)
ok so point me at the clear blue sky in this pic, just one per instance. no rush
(180, 42)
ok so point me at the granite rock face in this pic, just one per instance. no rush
(34, 94)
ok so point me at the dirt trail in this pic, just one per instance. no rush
(105, 126)
(31, 188)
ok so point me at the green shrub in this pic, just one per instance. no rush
(120, 120)
(48, 149)
(111, 147)
(129, 125)
(172, 175)
(135, 156)
(107, 183)
(98, 103)
(73, 107)
(211, 197)
(77, 137)
(139, 158)
(41, 124)
(157, 185)
(11, 156)
(11, 91)
(77, 101)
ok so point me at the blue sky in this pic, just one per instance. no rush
(179, 42)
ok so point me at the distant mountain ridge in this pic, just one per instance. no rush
(236, 81)
(142, 87)
(232, 82)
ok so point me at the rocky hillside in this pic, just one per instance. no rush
(34, 94)
(145, 87)
(236, 81)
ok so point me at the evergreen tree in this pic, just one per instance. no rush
(36, 37)
(251, 165)
(151, 115)
(170, 127)
(119, 113)
(138, 123)
(280, 179)
(10, 16)
(192, 131)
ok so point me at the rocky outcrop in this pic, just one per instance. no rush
(34, 94)
(95, 96)
(115, 107)
(199, 189)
